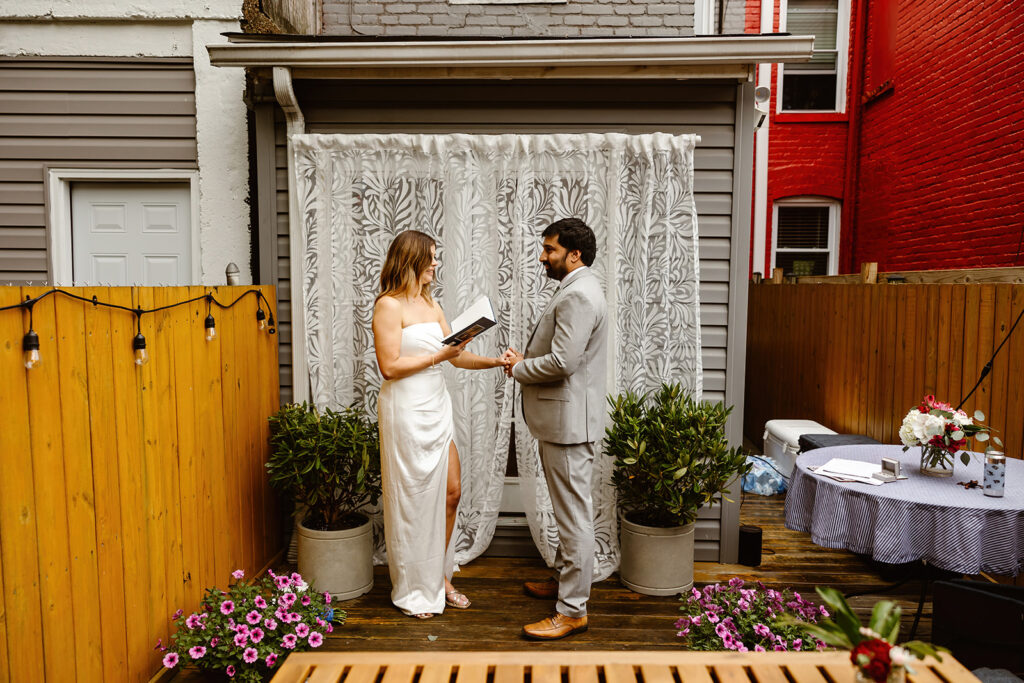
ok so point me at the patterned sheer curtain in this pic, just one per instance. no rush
(486, 199)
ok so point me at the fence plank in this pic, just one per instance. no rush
(80, 495)
(22, 620)
(103, 435)
(857, 357)
(48, 479)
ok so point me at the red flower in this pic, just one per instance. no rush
(872, 657)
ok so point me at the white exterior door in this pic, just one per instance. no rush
(131, 234)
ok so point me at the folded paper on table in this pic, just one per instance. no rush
(472, 321)
(841, 469)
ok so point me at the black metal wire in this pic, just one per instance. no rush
(988, 366)
(29, 302)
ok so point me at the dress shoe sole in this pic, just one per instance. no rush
(541, 595)
(530, 636)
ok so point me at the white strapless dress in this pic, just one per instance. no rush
(415, 418)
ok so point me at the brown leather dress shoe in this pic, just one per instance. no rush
(545, 590)
(555, 627)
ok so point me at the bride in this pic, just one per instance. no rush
(419, 460)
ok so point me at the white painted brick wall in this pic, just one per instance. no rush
(620, 18)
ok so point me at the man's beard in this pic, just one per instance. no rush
(556, 272)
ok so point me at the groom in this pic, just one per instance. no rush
(563, 382)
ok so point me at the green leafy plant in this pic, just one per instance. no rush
(873, 649)
(328, 464)
(671, 455)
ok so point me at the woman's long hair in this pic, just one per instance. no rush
(408, 257)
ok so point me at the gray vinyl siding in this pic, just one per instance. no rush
(82, 113)
(705, 108)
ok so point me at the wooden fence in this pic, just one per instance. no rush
(857, 357)
(125, 491)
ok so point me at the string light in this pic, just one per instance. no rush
(30, 345)
(30, 342)
(139, 346)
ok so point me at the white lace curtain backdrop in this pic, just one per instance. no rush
(486, 199)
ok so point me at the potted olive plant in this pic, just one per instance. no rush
(671, 458)
(328, 465)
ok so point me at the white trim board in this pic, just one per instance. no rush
(58, 210)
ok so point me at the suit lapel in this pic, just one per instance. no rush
(551, 302)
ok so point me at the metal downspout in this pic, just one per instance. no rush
(296, 125)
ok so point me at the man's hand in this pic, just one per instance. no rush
(509, 359)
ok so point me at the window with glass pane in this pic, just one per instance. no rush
(802, 239)
(811, 86)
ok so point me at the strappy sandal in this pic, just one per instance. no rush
(454, 598)
(423, 615)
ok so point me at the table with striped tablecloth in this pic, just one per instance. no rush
(918, 518)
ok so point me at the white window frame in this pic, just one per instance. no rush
(59, 210)
(704, 17)
(833, 228)
(842, 58)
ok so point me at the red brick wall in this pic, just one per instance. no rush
(942, 155)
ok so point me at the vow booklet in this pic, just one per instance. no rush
(473, 321)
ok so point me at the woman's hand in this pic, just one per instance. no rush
(450, 351)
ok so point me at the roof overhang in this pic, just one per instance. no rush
(687, 57)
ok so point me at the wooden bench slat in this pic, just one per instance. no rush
(657, 673)
(693, 673)
(509, 673)
(399, 673)
(841, 672)
(470, 673)
(583, 673)
(324, 674)
(436, 672)
(619, 673)
(546, 673)
(806, 673)
(363, 673)
(731, 673)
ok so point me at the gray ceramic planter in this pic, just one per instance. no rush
(656, 560)
(337, 562)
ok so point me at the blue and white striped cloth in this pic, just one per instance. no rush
(918, 518)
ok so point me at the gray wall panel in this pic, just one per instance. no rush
(82, 113)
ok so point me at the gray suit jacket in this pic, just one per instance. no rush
(563, 373)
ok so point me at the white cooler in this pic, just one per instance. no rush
(782, 440)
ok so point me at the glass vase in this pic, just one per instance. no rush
(936, 461)
(897, 674)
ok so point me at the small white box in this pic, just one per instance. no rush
(782, 440)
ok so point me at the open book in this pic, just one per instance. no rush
(473, 321)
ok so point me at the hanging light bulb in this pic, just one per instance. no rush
(211, 328)
(261, 319)
(30, 345)
(139, 345)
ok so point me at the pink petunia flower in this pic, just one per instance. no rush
(282, 582)
(302, 630)
(296, 578)
(196, 652)
(253, 617)
(256, 635)
(294, 616)
(178, 613)
(270, 624)
(289, 641)
(227, 607)
(306, 600)
(230, 671)
(260, 602)
(315, 639)
(712, 618)
(761, 630)
(250, 655)
(271, 660)
(238, 573)
(241, 639)
(214, 642)
(329, 628)
(798, 643)
(327, 598)
(171, 660)
(193, 621)
(758, 648)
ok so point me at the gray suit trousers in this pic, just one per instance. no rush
(568, 469)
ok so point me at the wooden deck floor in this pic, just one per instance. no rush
(619, 618)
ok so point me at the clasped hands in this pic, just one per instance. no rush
(509, 359)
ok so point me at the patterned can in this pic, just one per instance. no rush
(995, 473)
